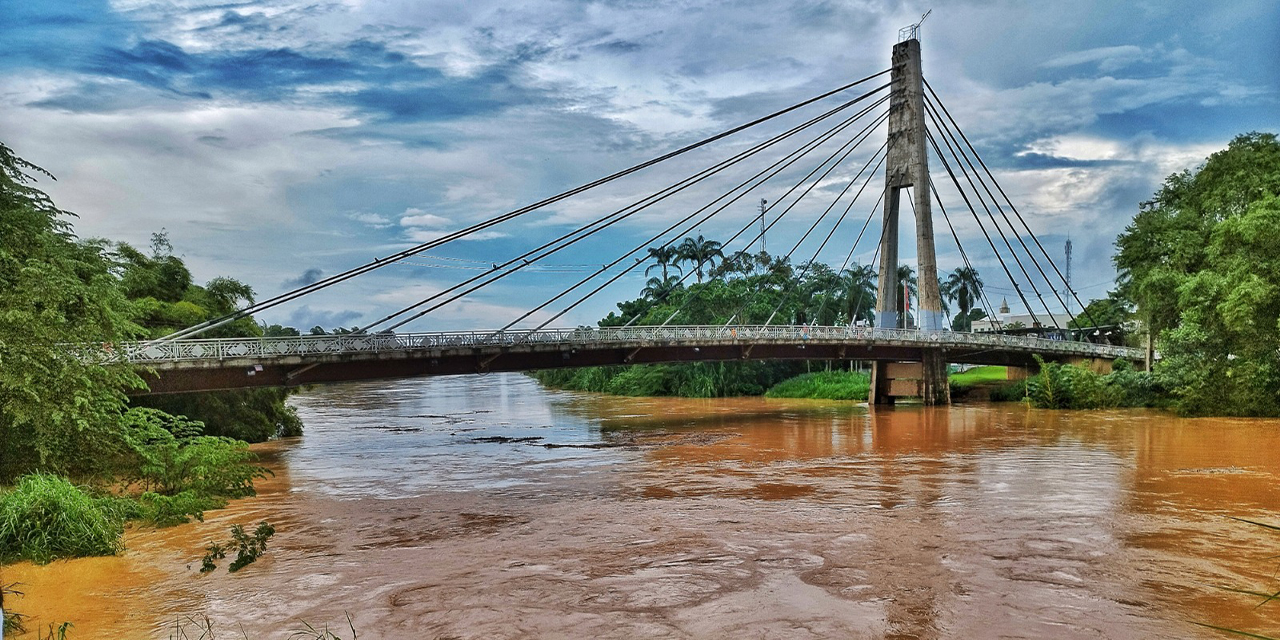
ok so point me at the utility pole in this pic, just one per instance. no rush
(763, 202)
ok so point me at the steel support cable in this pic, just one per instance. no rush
(852, 144)
(794, 286)
(874, 256)
(943, 107)
(479, 226)
(995, 224)
(932, 108)
(524, 259)
(743, 307)
(845, 265)
(963, 255)
(945, 165)
(947, 138)
(785, 162)
(865, 133)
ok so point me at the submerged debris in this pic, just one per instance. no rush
(506, 439)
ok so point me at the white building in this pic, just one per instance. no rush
(1039, 321)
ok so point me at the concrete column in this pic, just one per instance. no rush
(907, 165)
(888, 305)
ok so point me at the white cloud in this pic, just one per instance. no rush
(427, 235)
(414, 217)
(374, 220)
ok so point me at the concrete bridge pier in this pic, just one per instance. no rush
(926, 380)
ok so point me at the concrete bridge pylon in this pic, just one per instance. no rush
(907, 165)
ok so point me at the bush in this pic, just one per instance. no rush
(1012, 392)
(184, 473)
(45, 517)
(166, 511)
(829, 385)
(1061, 386)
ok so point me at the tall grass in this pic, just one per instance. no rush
(827, 385)
(45, 517)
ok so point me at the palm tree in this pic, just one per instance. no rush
(858, 292)
(659, 288)
(665, 257)
(701, 252)
(964, 287)
(907, 283)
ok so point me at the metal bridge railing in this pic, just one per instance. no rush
(254, 348)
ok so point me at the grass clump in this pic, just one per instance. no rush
(826, 385)
(45, 517)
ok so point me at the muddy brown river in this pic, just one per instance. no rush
(488, 507)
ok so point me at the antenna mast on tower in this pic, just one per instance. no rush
(1067, 278)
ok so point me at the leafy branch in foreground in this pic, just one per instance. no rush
(248, 548)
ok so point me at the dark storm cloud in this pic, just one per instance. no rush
(310, 276)
(391, 87)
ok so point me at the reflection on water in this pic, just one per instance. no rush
(487, 507)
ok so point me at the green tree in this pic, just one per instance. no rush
(1199, 262)
(665, 257)
(858, 292)
(964, 287)
(1104, 312)
(58, 412)
(702, 253)
(659, 288)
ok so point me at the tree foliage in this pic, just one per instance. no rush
(57, 412)
(165, 299)
(743, 288)
(963, 287)
(1200, 262)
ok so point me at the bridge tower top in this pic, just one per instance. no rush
(907, 165)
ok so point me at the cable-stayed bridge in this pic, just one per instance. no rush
(910, 360)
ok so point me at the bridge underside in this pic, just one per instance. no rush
(292, 371)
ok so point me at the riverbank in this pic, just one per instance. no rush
(155, 581)
(738, 379)
(429, 507)
(1056, 386)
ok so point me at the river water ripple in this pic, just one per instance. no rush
(434, 508)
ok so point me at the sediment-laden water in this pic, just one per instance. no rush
(488, 507)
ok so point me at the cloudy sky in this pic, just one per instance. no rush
(281, 141)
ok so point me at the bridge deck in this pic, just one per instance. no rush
(230, 363)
